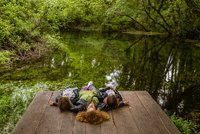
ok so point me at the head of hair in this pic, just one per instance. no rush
(112, 101)
(63, 103)
(93, 117)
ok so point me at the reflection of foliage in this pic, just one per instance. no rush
(169, 70)
(87, 53)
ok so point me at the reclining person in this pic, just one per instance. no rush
(110, 97)
(67, 99)
(89, 101)
(84, 102)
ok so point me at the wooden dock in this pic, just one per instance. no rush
(143, 116)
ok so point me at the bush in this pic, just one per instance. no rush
(5, 57)
(185, 126)
(13, 102)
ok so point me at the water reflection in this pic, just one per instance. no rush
(53, 63)
(62, 63)
(112, 78)
(93, 63)
(169, 70)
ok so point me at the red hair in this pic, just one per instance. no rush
(93, 117)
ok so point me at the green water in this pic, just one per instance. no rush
(167, 68)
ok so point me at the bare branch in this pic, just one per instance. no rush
(148, 14)
(159, 13)
(143, 27)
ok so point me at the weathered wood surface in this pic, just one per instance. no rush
(143, 116)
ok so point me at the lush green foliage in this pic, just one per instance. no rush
(24, 23)
(30, 28)
(85, 56)
(186, 127)
(16, 96)
(14, 100)
(5, 57)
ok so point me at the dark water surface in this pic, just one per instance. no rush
(167, 68)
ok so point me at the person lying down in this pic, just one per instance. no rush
(66, 100)
(89, 103)
(92, 114)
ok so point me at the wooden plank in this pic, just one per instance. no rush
(157, 114)
(144, 122)
(108, 127)
(31, 118)
(124, 121)
(63, 121)
(143, 116)
(91, 129)
(68, 120)
(79, 127)
(51, 121)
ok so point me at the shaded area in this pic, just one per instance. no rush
(169, 72)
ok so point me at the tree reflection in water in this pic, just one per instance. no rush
(170, 72)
